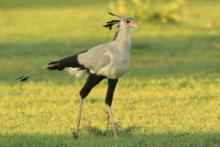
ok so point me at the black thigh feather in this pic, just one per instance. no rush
(91, 82)
(110, 91)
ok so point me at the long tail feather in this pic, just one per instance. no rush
(23, 78)
(59, 65)
(53, 65)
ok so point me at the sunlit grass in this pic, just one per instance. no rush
(155, 107)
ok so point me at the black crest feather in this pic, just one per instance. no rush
(110, 24)
(110, 13)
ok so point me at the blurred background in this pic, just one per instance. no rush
(170, 94)
(174, 38)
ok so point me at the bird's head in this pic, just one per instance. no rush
(123, 21)
(128, 22)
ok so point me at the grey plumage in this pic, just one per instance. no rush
(110, 59)
(95, 58)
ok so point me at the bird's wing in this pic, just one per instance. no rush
(96, 58)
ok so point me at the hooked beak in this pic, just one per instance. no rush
(135, 25)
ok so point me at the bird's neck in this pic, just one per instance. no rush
(123, 39)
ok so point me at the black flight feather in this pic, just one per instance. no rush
(70, 61)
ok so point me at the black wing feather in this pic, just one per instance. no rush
(70, 61)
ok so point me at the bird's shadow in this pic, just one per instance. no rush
(107, 132)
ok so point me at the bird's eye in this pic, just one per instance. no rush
(127, 21)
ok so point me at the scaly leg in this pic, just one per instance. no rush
(111, 121)
(76, 133)
(91, 82)
(107, 122)
(108, 100)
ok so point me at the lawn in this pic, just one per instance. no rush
(169, 97)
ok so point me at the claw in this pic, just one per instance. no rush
(75, 135)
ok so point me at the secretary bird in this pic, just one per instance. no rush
(105, 61)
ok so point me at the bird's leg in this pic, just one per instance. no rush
(76, 133)
(111, 121)
(108, 100)
(107, 122)
(92, 81)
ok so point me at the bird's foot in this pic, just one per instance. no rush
(114, 135)
(75, 135)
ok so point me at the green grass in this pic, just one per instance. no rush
(169, 97)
